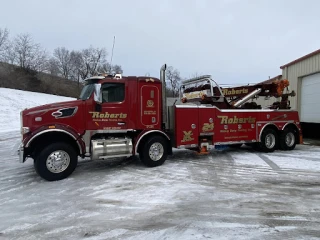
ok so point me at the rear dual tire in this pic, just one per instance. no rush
(269, 140)
(272, 140)
(288, 139)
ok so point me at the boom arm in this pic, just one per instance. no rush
(210, 92)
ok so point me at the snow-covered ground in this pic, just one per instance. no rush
(229, 194)
(13, 101)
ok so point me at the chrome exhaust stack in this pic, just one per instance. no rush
(164, 95)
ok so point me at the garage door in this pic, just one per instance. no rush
(310, 101)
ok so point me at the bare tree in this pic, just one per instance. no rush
(105, 68)
(173, 76)
(79, 65)
(40, 60)
(110, 69)
(4, 38)
(98, 57)
(117, 69)
(62, 59)
(91, 59)
(76, 64)
(52, 67)
(27, 54)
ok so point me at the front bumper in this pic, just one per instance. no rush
(20, 152)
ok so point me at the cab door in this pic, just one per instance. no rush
(114, 114)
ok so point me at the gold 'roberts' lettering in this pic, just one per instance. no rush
(232, 91)
(236, 120)
(107, 115)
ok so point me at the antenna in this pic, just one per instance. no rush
(114, 40)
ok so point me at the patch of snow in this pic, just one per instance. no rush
(109, 235)
(60, 230)
(248, 159)
(13, 101)
(296, 161)
(23, 226)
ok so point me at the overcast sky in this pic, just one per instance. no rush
(233, 40)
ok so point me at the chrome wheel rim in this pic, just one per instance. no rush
(290, 139)
(270, 140)
(58, 161)
(156, 151)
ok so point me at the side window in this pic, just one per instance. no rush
(113, 92)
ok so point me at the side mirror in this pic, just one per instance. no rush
(97, 93)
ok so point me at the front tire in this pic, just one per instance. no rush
(56, 161)
(154, 152)
(269, 140)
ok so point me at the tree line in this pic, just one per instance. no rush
(24, 52)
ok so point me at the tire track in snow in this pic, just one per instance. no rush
(269, 162)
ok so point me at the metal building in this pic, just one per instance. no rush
(304, 77)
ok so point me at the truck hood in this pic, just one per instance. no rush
(62, 113)
(42, 109)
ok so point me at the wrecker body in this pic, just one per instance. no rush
(118, 116)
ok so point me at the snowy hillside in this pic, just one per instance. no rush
(13, 101)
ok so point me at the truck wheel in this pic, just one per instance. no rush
(154, 152)
(269, 140)
(56, 161)
(287, 139)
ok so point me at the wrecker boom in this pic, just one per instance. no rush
(204, 90)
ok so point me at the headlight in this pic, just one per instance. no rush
(21, 119)
(24, 130)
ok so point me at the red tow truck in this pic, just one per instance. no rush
(117, 116)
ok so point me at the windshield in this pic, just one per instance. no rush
(86, 91)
